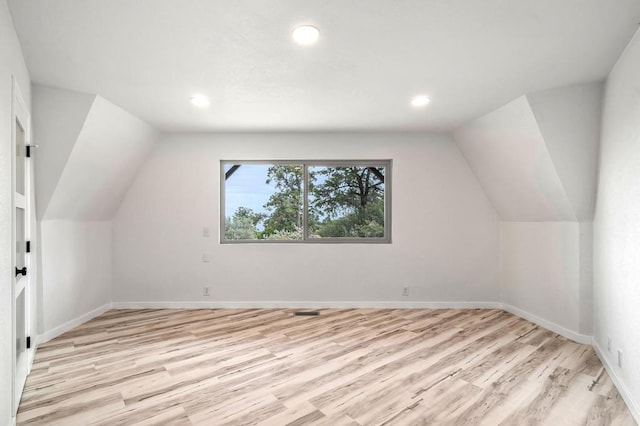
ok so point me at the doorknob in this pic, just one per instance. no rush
(22, 271)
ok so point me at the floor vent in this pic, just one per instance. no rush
(306, 313)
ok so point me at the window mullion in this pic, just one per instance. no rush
(305, 208)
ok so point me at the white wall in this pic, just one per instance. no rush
(585, 320)
(90, 151)
(445, 231)
(536, 157)
(541, 273)
(77, 268)
(11, 63)
(58, 117)
(617, 227)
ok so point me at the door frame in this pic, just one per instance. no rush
(20, 112)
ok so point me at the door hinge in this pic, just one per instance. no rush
(28, 246)
(28, 342)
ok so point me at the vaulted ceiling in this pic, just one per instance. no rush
(471, 57)
(89, 153)
(536, 157)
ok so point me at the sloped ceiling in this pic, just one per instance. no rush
(536, 156)
(569, 120)
(101, 160)
(58, 117)
(150, 56)
(508, 154)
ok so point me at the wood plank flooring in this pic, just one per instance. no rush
(343, 367)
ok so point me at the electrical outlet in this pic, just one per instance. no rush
(619, 358)
(206, 258)
(405, 291)
(206, 232)
(205, 291)
(609, 344)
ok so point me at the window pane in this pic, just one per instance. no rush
(263, 201)
(20, 158)
(21, 329)
(346, 202)
(20, 238)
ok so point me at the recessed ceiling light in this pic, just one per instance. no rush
(305, 34)
(200, 101)
(420, 101)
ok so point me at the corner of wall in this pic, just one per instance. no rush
(616, 225)
(618, 382)
(71, 324)
(585, 320)
(83, 135)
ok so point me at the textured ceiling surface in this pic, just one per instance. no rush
(150, 56)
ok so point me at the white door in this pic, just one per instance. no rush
(21, 279)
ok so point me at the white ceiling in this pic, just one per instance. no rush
(150, 56)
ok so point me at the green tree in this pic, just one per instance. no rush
(285, 204)
(368, 222)
(343, 202)
(348, 201)
(243, 224)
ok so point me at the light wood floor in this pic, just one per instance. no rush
(344, 367)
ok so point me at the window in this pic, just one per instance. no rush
(305, 201)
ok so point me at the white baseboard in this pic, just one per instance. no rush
(56, 331)
(580, 338)
(569, 334)
(50, 334)
(306, 305)
(617, 381)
